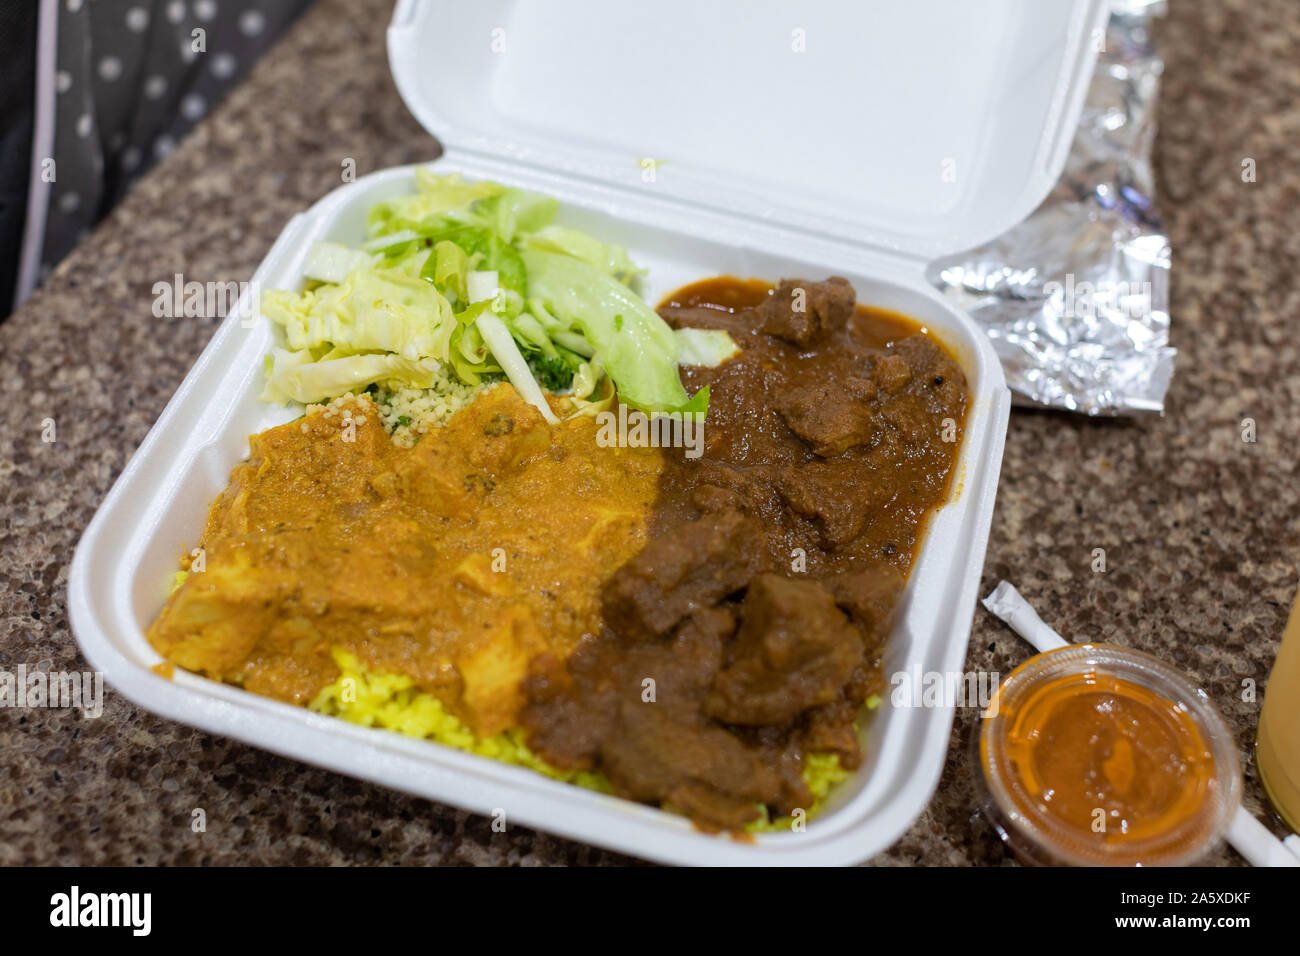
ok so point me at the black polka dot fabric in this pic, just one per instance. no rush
(132, 77)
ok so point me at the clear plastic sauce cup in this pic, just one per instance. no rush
(1098, 755)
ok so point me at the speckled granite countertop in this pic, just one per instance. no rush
(1201, 530)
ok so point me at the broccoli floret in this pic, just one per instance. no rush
(553, 372)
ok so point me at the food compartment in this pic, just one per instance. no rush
(157, 508)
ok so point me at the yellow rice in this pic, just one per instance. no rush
(393, 702)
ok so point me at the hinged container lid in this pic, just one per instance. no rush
(921, 127)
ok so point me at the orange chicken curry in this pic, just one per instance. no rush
(454, 562)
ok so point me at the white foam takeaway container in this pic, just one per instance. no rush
(769, 140)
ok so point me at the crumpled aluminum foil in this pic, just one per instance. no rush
(1076, 297)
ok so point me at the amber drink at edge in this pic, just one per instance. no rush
(1277, 754)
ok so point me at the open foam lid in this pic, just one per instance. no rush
(923, 127)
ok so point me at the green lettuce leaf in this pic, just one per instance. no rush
(293, 376)
(516, 212)
(706, 347)
(636, 347)
(608, 258)
(372, 310)
(447, 268)
(434, 197)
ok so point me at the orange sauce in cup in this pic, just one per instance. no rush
(1104, 755)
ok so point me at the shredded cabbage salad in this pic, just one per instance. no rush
(476, 280)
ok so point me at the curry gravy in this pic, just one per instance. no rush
(454, 562)
(902, 470)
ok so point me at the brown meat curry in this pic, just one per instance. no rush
(760, 605)
(692, 627)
